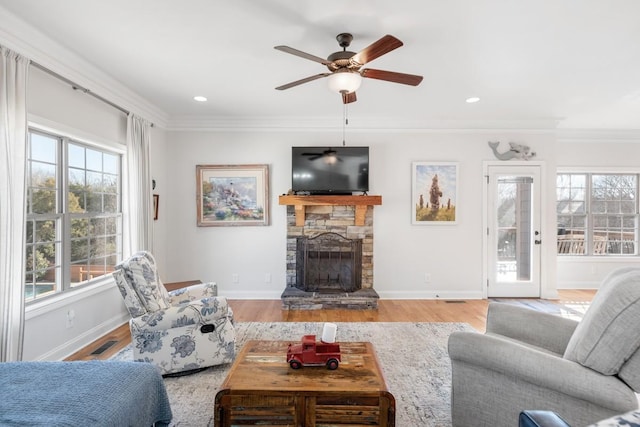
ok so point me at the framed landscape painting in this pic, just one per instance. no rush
(231, 195)
(434, 193)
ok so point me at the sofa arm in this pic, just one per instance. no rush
(536, 328)
(193, 292)
(541, 419)
(542, 369)
(214, 310)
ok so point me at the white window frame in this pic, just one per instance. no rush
(63, 285)
(589, 228)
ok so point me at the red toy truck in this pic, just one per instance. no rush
(312, 353)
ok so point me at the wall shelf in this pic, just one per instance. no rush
(301, 202)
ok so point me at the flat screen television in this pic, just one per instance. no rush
(329, 170)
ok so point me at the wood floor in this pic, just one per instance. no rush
(473, 312)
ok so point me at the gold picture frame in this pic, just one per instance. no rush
(232, 195)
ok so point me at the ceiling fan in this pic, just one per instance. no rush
(345, 73)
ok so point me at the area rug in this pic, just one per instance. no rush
(413, 356)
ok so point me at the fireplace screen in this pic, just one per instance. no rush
(328, 263)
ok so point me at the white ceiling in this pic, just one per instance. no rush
(534, 63)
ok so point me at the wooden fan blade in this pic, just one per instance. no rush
(391, 76)
(385, 45)
(302, 54)
(348, 98)
(301, 81)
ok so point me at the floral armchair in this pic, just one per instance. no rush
(182, 330)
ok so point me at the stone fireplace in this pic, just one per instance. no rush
(329, 252)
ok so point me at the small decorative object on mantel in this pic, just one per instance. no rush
(516, 151)
(309, 352)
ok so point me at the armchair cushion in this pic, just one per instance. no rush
(131, 300)
(207, 311)
(534, 328)
(610, 322)
(193, 292)
(141, 271)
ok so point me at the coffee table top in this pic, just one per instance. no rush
(262, 365)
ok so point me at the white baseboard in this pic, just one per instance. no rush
(579, 285)
(443, 295)
(251, 294)
(68, 348)
(383, 295)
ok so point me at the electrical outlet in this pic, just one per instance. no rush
(267, 278)
(71, 315)
(235, 278)
(427, 277)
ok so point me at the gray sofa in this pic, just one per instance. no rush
(585, 372)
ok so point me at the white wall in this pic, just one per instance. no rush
(403, 253)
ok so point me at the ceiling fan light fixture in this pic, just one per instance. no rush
(344, 81)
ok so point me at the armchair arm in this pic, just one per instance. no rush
(532, 327)
(193, 292)
(213, 310)
(541, 369)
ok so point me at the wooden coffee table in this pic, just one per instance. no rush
(262, 389)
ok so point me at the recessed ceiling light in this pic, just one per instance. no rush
(200, 98)
(472, 100)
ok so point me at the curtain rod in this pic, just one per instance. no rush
(82, 89)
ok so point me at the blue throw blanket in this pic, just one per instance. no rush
(95, 393)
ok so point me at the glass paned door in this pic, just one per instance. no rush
(513, 218)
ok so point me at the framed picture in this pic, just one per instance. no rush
(231, 195)
(434, 193)
(156, 201)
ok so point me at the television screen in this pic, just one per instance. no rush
(330, 170)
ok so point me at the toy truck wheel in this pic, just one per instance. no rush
(332, 364)
(295, 364)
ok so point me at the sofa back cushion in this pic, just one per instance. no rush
(141, 273)
(608, 334)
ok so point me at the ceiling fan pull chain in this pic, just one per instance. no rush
(345, 122)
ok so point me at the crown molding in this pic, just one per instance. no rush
(356, 124)
(28, 41)
(598, 135)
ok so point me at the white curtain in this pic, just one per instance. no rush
(138, 209)
(13, 151)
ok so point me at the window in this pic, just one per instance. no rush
(74, 220)
(597, 213)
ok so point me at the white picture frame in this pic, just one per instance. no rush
(434, 193)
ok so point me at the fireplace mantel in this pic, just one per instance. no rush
(360, 202)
